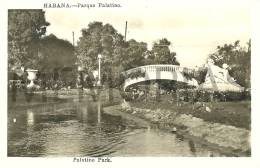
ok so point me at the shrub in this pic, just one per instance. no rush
(136, 74)
(207, 96)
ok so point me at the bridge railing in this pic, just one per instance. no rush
(160, 67)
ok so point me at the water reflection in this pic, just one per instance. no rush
(28, 95)
(44, 95)
(99, 110)
(192, 147)
(80, 94)
(81, 128)
(86, 114)
(30, 117)
(14, 91)
(180, 137)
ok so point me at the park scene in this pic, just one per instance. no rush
(106, 95)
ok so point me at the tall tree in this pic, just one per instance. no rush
(25, 28)
(104, 40)
(161, 54)
(99, 39)
(238, 58)
(55, 53)
(134, 54)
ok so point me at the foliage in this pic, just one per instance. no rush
(56, 53)
(105, 40)
(88, 80)
(229, 113)
(239, 60)
(187, 75)
(199, 75)
(117, 54)
(134, 54)
(207, 96)
(25, 28)
(120, 80)
(136, 74)
(171, 85)
(99, 39)
(161, 54)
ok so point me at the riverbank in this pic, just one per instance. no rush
(230, 140)
(234, 113)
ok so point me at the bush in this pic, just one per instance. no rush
(207, 96)
(136, 74)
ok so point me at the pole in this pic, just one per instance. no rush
(99, 67)
(99, 70)
(125, 29)
(73, 38)
(99, 110)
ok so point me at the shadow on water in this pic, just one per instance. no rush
(69, 129)
(179, 137)
(28, 96)
(192, 147)
(80, 128)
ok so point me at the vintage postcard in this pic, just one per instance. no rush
(98, 83)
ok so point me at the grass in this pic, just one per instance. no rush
(229, 113)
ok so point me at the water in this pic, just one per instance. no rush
(74, 128)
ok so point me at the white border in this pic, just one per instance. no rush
(128, 161)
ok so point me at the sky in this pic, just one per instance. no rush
(195, 28)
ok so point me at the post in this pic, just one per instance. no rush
(99, 109)
(99, 69)
(125, 29)
(73, 38)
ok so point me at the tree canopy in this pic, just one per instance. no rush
(118, 55)
(161, 54)
(55, 53)
(25, 28)
(238, 58)
(99, 39)
(134, 54)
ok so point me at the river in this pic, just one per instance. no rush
(52, 128)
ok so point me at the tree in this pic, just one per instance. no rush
(238, 58)
(56, 60)
(161, 54)
(25, 28)
(104, 40)
(134, 54)
(99, 39)
(200, 74)
(55, 53)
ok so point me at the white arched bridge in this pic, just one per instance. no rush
(161, 71)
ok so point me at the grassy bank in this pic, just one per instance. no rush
(229, 113)
(230, 139)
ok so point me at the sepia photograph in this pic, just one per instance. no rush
(173, 82)
(112, 83)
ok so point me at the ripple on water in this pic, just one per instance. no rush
(82, 130)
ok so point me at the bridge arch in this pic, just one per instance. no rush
(160, 71)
